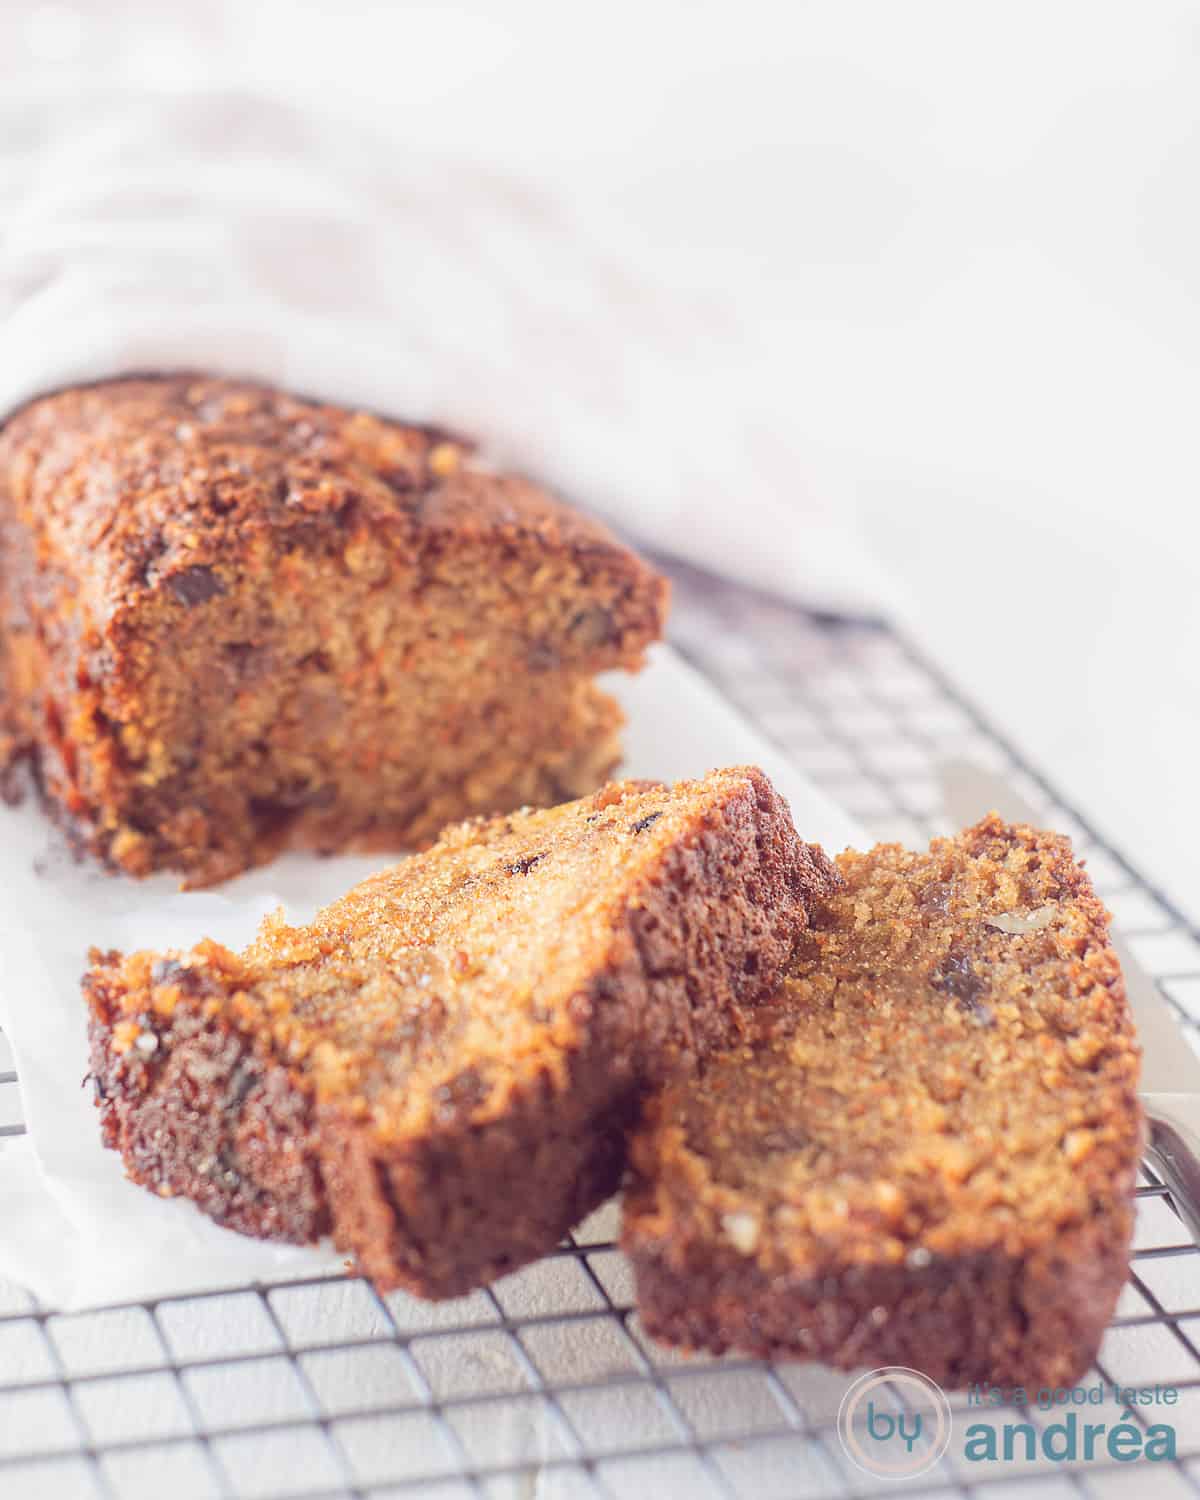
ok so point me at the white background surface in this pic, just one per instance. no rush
(964, 246)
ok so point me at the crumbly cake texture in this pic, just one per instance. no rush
(232, 620)
(441, 1066)
(926, 1156)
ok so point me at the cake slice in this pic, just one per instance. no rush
(232, 620)
(926, 1155)
(439, 1068)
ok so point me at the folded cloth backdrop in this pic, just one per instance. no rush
(227, 232)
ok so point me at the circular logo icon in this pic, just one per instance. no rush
(894, 1422)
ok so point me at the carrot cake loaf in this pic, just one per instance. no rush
(232, 620)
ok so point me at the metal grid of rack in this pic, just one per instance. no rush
(545, 1385)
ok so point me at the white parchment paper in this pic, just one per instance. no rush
(71, 1228)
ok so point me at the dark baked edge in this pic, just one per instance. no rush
(209, 1115)
(1029, 1320)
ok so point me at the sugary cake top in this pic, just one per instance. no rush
(148, 482)
(445, 983)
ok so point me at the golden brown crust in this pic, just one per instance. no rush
(232, 619)
(451, 1052)
(927, 1154)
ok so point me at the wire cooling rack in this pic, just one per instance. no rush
(544, 1385)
